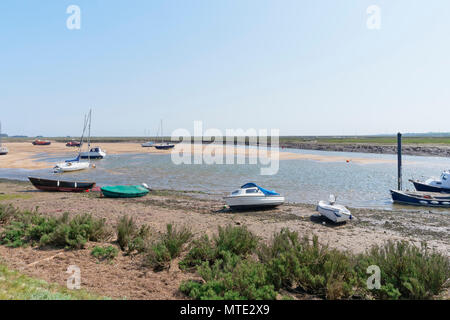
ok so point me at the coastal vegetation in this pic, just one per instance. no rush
(16, 286)
(234, 263)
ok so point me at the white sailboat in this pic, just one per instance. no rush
(76, 164)
(3, 150)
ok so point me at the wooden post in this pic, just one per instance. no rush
(399, 160)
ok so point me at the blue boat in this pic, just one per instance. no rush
(418, 198)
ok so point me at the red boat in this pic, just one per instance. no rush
(73, 144)
(38, 142)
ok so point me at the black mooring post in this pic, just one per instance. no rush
(399, 160)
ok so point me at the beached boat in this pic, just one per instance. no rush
(61, 185)
(73, 143)
(38, 142)
(3, 150)
(252, 195)
(332, 211)
(148, 144)
(164, 146)
(125, 191)
(420, 198)
(93, 153)
(442, 184)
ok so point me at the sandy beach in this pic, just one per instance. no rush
(202, 214)
(24, 155)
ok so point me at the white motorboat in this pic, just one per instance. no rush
(441, 184)
(332, 211)
(252, 195)
(93, 153)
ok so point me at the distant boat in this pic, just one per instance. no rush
(38, 142)
(93, 153)
(61, 185)
(148, 144)
(434, 185)
(73, 143)
(332, 211)
(251, 195)
(3, 150)
(125, 191)
(419, 198)
(163, 145)
(75, 164)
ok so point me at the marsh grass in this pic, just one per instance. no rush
(16, 286)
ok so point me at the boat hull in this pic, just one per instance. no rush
(71, 166)
(335, 214)
(253, 202)
(41, 143)
(60, 186)
(421, 199)
(124, 191)
(420, 186)
(165, 147)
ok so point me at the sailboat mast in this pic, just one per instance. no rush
(89, 138)
(0, 134)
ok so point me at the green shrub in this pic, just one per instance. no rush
(130, 238)
(31, 227)
(407, 271)
(7, 212)
(15, 234)
(201, 250)
(230, 278)
(170, 245)
(157, 257)
(75, 232)
(104, 253)
(309, 265)
(237, 240)
(174, 239)
(126, 228)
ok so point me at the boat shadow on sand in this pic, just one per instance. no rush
(318, 219)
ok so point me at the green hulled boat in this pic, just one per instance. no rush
(124, 191)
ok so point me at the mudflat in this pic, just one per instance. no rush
(24, 155)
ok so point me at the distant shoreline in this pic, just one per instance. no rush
(408, 149)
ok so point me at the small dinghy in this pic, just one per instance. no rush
(60, 185)
(332, 211)
(251, 195)
(418, 198)
(125, 191)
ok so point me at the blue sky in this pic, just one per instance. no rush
(305, 67)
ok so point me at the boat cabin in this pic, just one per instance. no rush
(443, 182)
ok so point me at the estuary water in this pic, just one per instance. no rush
(306, 181)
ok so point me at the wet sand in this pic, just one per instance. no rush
(24, 155)
(202, 214)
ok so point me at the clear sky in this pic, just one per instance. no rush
(305, 67)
